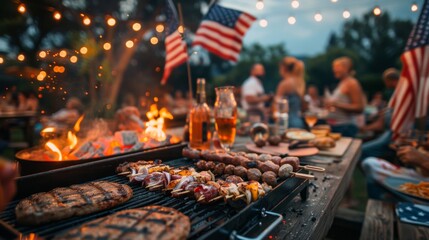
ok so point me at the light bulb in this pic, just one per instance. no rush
(291, 20)
(107, 46)
(111, 21)
(377, 11)
(136, 26)
(414, 7)
(263, 22)
(129, 44)
(295, 3)
(259, 5)
(57, 15)
(318, 17)
(346, 14)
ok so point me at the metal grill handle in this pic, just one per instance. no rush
(234, 235)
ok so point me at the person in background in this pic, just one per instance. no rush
(8, 173)
(379, 147)
(292, 87)
(32, 102)
(347, 101)
(21, 102)
(252, 91)
(377, 170)
(129, 101)
(377, 101)
(312, 98)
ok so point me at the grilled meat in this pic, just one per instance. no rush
(66, 202)
(149, 223)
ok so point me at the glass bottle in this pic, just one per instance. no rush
(199, 119)
(225, 113)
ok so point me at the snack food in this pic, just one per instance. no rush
(323, 142)
(419, 190)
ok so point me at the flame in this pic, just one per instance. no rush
(54, 149)
(48, 130)
(76, 127)
(71, 139)
(155, 125)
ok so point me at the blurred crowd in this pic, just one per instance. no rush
(17, 101)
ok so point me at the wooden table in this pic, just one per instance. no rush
(312, 219)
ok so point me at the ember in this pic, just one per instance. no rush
(99, 141)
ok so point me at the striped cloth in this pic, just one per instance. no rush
(175, 48)
(411, 96)
(222, 30)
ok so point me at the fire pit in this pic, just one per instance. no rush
(73, 147)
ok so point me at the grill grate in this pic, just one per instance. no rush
(203, 217)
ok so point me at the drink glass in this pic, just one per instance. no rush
(225, 113)
(311, 119)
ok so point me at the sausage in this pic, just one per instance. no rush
(191, 153)
(285, 171)
(210, 165)
(276, 159)
(219, 169)
(227, 159)
(240, 171)
(269, 166)
(229, 169)
(254, 174)
(294, 161)
(202, 165)
(270, 178)
(206, 155)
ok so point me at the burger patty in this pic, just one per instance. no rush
(151, 222)
(66, 202)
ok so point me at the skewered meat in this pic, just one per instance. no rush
(202, 165)
(245, 162)
(226, 158)
(157, 178)
(285, 171)
(219, 169)
(254, 174)
(210, 165)
(151, 222)
(229, 169)
(269, 166)
(276, 159)
(294, 161)
(240, 171)
(206, 191)
(205, 176)
(264, 157)
(252, 156)
(238, 159)
(76, 200)
(234, 179)
(270, 178)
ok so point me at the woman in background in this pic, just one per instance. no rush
(292, 87)
(347, 101)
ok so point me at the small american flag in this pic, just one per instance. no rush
(221, 31)
(411, 96)
(175, 48)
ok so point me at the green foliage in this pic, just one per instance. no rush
(269, 56)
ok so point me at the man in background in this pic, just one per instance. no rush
(252, 91)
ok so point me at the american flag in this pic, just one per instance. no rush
(175, 48)
(411, 96)
(222, 30)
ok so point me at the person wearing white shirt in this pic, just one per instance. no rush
(252, 92)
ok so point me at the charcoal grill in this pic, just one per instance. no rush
(28, 167)
(215, 221)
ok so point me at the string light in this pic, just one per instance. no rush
(1, 60)
(260, 4)
(414, 7)
(41, 75)
(73, 59)
(42, 54)
(129, 44)
(318, 17)
(291, 20)
(83, 50)
(21, 8)
(294, 3)
(107, 46)
(57, 15)
(154, 40)
(63, 53)
(159, 28)
(180, 29)
(21, 57)
(86, 21)
(376, 10)
(263, 22)
(137, 26)
(111, 21)
(346, 14)
(334, 1)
